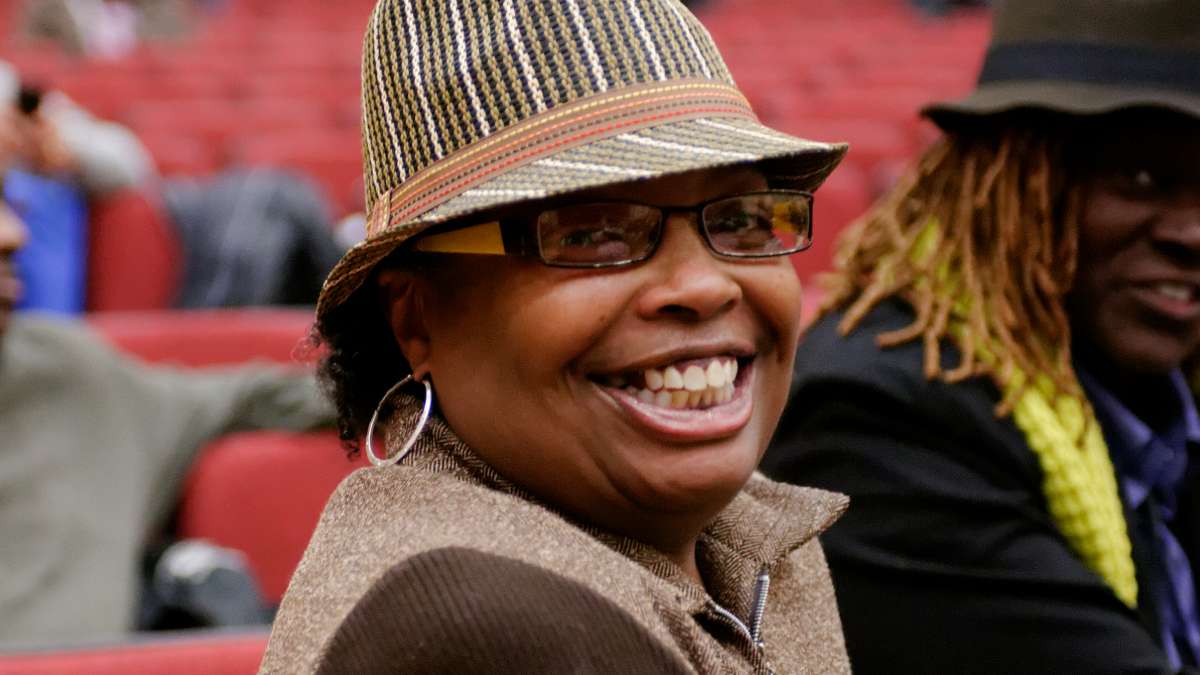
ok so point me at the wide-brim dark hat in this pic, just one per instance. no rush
(1086, 57)
(474, 105)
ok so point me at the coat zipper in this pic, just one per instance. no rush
(762, 586)
(732, 618)
(753, 631)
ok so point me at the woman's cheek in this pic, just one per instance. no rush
(778, 299)
(564, 319)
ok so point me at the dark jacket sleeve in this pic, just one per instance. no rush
(457, 610)
(948, 560)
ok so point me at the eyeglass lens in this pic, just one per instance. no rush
(591, 234)
(755, 225)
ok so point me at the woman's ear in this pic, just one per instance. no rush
(403, 296)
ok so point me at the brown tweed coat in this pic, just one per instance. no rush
(441, 566)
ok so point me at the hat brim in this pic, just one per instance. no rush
(652, 152)
(1072, 98)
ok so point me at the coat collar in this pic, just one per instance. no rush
(763, 524)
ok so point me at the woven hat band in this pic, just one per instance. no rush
(585, 120)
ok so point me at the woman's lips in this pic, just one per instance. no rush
(691, 424)
(1174, 301)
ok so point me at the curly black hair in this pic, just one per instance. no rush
(361, 357)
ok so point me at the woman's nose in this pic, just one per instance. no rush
(689, 282)
(1179, 228)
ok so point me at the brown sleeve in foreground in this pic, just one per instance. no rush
(457, 610)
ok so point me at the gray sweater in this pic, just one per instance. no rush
(93, 447)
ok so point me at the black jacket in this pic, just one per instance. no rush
(948, 560)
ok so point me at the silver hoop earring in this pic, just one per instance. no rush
(412, 440)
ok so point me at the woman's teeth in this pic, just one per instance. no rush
(1180, 292)
(696, 386)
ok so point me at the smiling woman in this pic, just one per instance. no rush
(1136, 295)
(565, 344)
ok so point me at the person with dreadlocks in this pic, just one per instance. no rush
(997, 376)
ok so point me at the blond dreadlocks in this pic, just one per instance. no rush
(982, 241)
(1006, 218)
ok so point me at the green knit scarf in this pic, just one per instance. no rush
(1077, 473)
(1078, 480)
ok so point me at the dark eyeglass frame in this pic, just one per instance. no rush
(518, 235)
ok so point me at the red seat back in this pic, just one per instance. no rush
(134, 258)
(262, 493)
(842, 199)
(208, 337)
(258, 492)
(225, 655)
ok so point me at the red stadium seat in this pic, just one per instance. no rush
(104, 96)
(176, 155)
(212, 121)
(224, 654)
(262, 493)
(39, 63)
(873, 142)
(208, 337)
(332, 159)
(813, 297)
(281, 116)
(257, 492)
(304, 89)
(843, 198)
(134, 259)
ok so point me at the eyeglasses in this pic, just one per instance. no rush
(610, 234)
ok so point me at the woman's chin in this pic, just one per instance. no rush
(695, 481)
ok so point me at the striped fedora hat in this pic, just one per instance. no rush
(473, 105)
(1086, 57)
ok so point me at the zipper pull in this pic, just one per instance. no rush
(762, 586)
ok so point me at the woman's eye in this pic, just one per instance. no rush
(1142, 181)
(576, 238)
(730, 223)
(589, 237)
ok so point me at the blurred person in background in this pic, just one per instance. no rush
(41, 186)
(588, 265)
(61, 138)
(93, 447)
(107, 29)
(249, 236)
(998, 376)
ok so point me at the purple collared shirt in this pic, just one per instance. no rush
(1152, 466)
